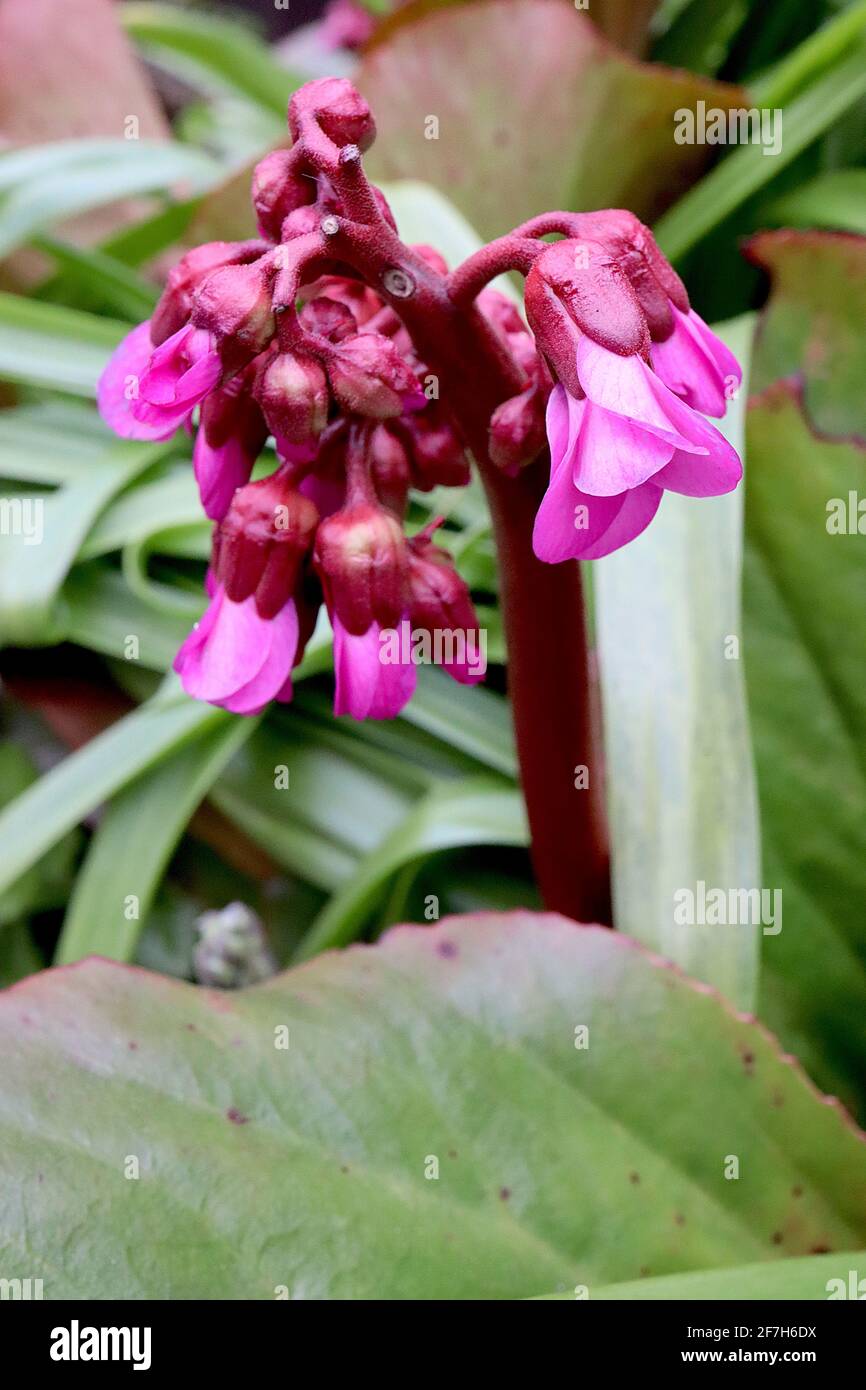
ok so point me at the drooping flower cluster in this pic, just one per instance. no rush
(308, 336)
(635, 364)
(353, 430)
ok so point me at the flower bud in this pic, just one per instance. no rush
(438, 597)
(259, 544)
(339, 108)
(277, 191)
(439, 602)
(437, 457)
(293, 394)
(369, 377)
(176, 301)
(574, 288)
(329, 318)
(517, 433)
(234, 304)
(361, 558)
(389, 468)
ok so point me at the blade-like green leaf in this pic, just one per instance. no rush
(131, 848)
(47, 345)
(87, 174)
(38, 818)
(679, 769)
(471, 812)
(214, 48)
(836, 199)
(748, 168)
(387, 1101)
(36, 561)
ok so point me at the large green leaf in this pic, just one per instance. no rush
(805, 632)
(813, 326)
(679, 770)
(595, 129)
(393, 1149)
(804, 639)
(808, 1277)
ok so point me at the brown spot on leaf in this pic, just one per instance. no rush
(821, 1250)
(634, 1179)
(778, 1237)
(679, 1219)
(797, 1191)
(504, 1193)
(236, 1117)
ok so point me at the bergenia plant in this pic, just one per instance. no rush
(324, 334)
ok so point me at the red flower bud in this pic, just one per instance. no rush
(278, 190)
(259, 544)
(329, 318)
(517, 432)
(361, 558)
(369, 377)
(389, 469)
(293, 394)
(234, 304)
(339, 108)
(437, 457)
(579, 287)
(175, 303)
(438, 598)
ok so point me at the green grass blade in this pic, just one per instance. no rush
(134, 842)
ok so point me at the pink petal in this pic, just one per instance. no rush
(561, 532)
(638, 508)
(366, 686)
(274, 677)
(560, 424)
(614, 454)
(218, 472)
(690, 363)
(120, 384)
(719, 351)
(628, 387)
(223, 651)
(701, 477)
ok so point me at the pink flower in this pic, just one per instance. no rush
(231, 435)
(146, 392)
(238, 659)
(696, 365)
(367, 687)
(615, 451)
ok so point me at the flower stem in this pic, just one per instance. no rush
(545, 625)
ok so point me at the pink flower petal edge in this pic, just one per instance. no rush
(367, 687)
